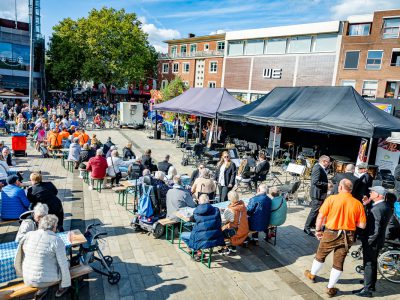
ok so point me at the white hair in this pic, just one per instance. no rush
(262, 188)
(177, 179)
(99, 152)
(159, 175)
(233, 196)
(204, 173)
(114, 153)
(48, 222)
(40, 210)
(204, 199)
(146, 172)
(172, 172)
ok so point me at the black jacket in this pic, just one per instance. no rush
(378, 217)
(127, 153)
(221, 138)
(261, 170)
(85, 155)
(194, 176)
(361, 186)
(46, 193)
(339, 176)
(319, 183)
(147, 161)
(230, 174)
(164, 166)
(397, 178)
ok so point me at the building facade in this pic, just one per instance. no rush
(370, 55)
(198, 61)
(258, 60)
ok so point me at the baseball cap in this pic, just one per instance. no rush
(362, 166)
(378, 189)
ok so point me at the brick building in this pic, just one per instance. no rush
(370, 55)
(197, 60)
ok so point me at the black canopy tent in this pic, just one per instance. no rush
(339, 110)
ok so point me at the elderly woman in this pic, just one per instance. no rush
(172, 172)
(127, 152)
(207, 231)
(236, 226)
(46, 193)
(159, 181)
(204, 185)
(31, 221)
(4, 169)
(114, 162)
(41, 259)
(74, 152)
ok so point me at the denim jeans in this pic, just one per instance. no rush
(185, 236)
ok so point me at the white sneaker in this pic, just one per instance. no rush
(81, 177)
(90, 188)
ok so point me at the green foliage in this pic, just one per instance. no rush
(108, 46)
(173, 89)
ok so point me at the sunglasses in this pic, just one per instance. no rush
(226, 156)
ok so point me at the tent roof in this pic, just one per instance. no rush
(203, 102)
(338, 110)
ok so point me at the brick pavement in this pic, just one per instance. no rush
(155, 269)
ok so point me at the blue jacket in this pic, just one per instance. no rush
(14, 202)
(207, 231)
(259, 212)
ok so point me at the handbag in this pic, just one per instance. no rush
(230, 232)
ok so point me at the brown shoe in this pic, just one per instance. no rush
(331, 292)
(310, 276)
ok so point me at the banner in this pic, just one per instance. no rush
(385, 107)
(277, 137)
(387, 155)
(362, 154)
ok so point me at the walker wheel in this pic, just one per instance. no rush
(360, 269)
(114, 277)
(158, 231)
(355, 254)
(108, 259)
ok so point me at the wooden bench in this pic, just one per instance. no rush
(70, 165)
(6, 222)
(169, 228)
(122, 195)
(21, 290)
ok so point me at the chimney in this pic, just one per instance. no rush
(191, 35)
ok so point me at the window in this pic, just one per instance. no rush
(254, 97)
(369, 89)
(348, 83)
(175, 68)
(186, 83)
(186, 67)
(395, 61)
(212, 84)
(254, 47)
(213, 67)
(391, 28)
(206, 47)
(165, 68)
(359, 29)
(220, 46)
(276, 46)
(183, 49)
(235, 48)
(299, 44)
(391, 88)
(374, 60)
(164, 84)
(325, 43)
(193, 48)
(173, 51)
(351, 60)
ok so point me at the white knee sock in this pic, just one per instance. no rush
(316, 267)
(334, 278)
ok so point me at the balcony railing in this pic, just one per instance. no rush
(191, 54)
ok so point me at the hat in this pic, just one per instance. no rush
(12, 179)
(378, 189)
(362, 165)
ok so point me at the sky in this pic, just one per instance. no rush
(171, 19)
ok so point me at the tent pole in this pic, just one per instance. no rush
(200, 131)
(273, 148)
(177, 129)
(369, 148)
(215, 130)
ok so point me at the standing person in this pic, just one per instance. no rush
(82, 115)
(225, 176)
(373, 237)
(363, 183)
(397, 181)
(318, 191)
(348, 174)
(343, 214)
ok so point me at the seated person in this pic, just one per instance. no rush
(97, 120)
(41, 258)
(114, 163)
(204, 185)
(95, 142)
(46, 193)
(261, 170)
(147, 161)
(83, 137)
(135, 169)
(127, 152)
(164, 165)
(243, 170)
(236, 226)
(86, 153)
(195, 173)
(74, 152)
(259, 211)
(5, 153)
(97, 166)
(171, 173)
(3, 124)
(206, 232)
(112, 148)
(177, 198)
(30, 222)
(55, 139)
(159, 181)
(13, 198)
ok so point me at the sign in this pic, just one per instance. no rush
(277, 137)
(387, 155)
(272, 73)
(362, 154)
(385, 107)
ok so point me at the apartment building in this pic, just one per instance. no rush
(198, 60)
(370, 55)
(258, 60)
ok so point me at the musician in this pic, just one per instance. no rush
(221, 136)
(348, 174)
(363, 183)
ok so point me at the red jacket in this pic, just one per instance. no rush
(98, 166)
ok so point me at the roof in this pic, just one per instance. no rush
(360, 18)
(203, 102)
(337, 109)
(203, 38)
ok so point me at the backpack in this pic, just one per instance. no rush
(145, 208)
(278, 211)
(396, 210)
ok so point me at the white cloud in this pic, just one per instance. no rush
(7, 10)
(158, 35)
(346, 8)
(219, 31)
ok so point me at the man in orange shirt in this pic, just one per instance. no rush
(83, 137)
(55, 139)
(342, 213)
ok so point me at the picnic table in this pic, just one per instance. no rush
(9, 250)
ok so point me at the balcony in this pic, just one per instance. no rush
(191, 54)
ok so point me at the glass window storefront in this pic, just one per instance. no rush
(299, 44)
(254, 97)
(235, 48)
(254, 47)
(13, 56)
(276, 46)
(325, 43)
(240, 96)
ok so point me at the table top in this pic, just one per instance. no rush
(224, 205)
(182, 217)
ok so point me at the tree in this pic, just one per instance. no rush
(173, 89)
(112, 48)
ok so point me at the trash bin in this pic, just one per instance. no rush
(18, 144)
(157, 134)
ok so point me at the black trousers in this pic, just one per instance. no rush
(370, 262)
(223, 193)
(312, 216)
